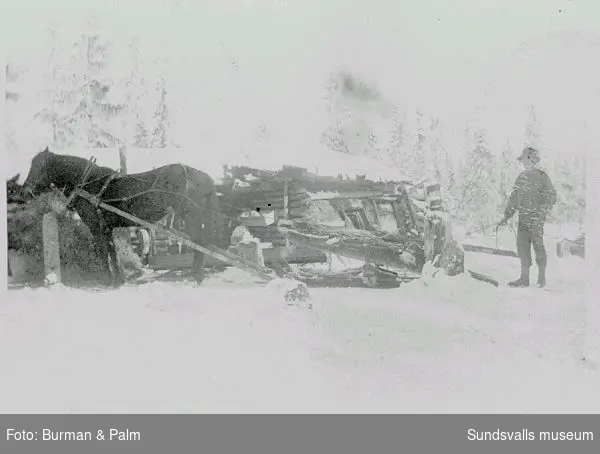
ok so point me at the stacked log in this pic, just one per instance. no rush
(265, 198)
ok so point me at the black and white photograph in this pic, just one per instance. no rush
(301, 207)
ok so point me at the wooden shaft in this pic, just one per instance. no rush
(219, 254)
(286, 200)
(286, 207)
(123, 159)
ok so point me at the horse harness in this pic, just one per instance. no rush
(84, 181)
(96, 199)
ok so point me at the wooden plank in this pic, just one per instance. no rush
(220, 254)
(353, 195)
(489, 250)
(286, 200)
(286, 207)
(300, 255)
(50, 234)
(152, 241)
(484, 278)
(375, 211)
(123, 159)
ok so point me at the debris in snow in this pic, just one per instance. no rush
(294, 292)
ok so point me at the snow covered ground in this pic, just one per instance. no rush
(448, 345)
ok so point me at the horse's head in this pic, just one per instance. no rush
(14, 191)
(38, 180)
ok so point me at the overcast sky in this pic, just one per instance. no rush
(235, 60)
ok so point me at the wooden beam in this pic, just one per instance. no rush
(50, 234)
(286, 206)
(484, 278)
(355, 195)
(123, 158)
(489, 250)
(286, 200)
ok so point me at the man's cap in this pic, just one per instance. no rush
(530, 154)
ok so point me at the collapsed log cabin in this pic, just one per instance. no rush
(304, 217)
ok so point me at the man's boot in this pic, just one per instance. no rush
(541, 280)
(523, 281)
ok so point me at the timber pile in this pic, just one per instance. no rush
(378, 248)
(246, 189)
(251, 190)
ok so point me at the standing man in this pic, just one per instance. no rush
(533, 196)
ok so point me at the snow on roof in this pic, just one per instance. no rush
(322, 162)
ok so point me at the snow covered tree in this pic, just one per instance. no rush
(420, 154)
(398, 138)
(11, 77)
(436, 169)
(141, 137)
(12, 97)
(136, 96)
(358, 117)
(333, 138)
(479, 199)
(160, 134)
(532, 129)
(449, 181)
(79, 110)
(508, 169)
(571, 190)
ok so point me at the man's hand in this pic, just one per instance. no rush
(502, 222)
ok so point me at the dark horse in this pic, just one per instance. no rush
(151, 195)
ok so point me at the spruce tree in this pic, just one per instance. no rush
(160, 135)
(77, 106)
(479, 192)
